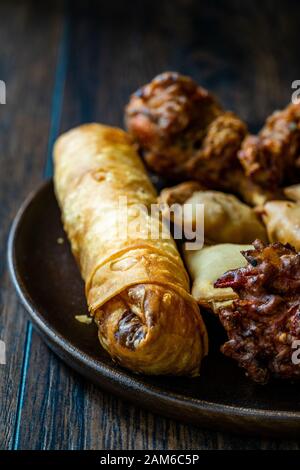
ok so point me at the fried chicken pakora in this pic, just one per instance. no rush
(272, 156)
(182, 131)
(263, 323)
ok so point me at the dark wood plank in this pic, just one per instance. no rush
(114, 48)
(28, 41)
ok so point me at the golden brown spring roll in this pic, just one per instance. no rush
(136, 286)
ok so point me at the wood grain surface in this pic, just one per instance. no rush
(68, 63)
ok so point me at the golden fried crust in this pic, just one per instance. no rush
(169, 105)
(251, 192)
(182, 131)
(168, 119)
(226, 218)
(207, 265)
(272, 156)
(180, 193)
(217, 154)
(136, 285)
(282, 220)
(292, 192)
(151, 328)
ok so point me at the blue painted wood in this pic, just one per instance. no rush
(16, 435)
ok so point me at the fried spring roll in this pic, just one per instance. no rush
(137, 288)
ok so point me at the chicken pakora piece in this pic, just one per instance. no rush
(263, 324)
(271, 157)
(182, 131)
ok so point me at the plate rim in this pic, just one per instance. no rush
(116, 375)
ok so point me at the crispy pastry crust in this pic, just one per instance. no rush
(264, 322)
(226, 218)
(136, 286)
(282, 220)
(206, 266)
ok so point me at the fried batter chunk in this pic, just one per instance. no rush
(217, 156)
(263, 323)
(182, 131)
(270, 157)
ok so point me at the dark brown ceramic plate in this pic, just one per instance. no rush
(49, 285)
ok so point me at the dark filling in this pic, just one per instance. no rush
(130, 330)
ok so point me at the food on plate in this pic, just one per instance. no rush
(216, 157)
(84, 319)
(137, 288)
(226, 218)
(136, 285)
(249, 191)
(293, 192)
(182, 131)
(207, 265)
(282, 219)
(180, 193)
(263, 323)
(272, 157)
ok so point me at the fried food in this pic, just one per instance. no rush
(226, 218)
(180, 193)
(136, 285)
(263, 323)
(207, 265)
(216, 158)
(248, 190)
(282, 220)
(182, 131)
(292, 192)
(271, 158)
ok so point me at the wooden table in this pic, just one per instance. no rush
(65, 64)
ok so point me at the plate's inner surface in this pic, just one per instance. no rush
(49, 273)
